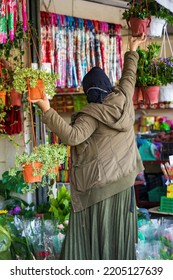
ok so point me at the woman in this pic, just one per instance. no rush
(104, 164)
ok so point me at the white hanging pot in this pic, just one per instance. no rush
(166, 93)
(156, 27)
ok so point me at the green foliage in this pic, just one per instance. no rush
(50, 156)
(159, 11)
(13, 183)
(24, 76)
(146, 9)
(136, 12)
(10, 239)
(2, 115)
(61, 205)
(165, 70)
(147, 69)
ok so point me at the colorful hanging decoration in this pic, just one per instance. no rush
(3, 26)
(10, 12)
(74, 45)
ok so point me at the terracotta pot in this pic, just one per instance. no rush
(37, 91)
(15, 98)
(3, 96)
(151, 94)
(137, 96)
(28, 172)
(138, 26)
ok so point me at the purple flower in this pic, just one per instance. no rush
(16, 210)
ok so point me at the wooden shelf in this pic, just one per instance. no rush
(154, 161)
(70, 93)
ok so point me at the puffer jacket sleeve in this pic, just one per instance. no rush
(128, 79)
(74, 134)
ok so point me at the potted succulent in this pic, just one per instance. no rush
(35, 81)
(44, 160)
(138, 17)
(148, 78)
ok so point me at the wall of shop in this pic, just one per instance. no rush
(93, 11)
(82, 9)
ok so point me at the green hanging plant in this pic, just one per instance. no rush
(22, 77)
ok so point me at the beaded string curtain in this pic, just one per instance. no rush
(73, 46)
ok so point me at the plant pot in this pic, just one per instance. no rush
(138, 26)
(15, 98)
(166, 93)
(137, 95)
(28, 171)
(3, 96)
(151, 94)
(156, 27)
(37, 91)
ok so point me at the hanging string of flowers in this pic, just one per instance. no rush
(78, 45)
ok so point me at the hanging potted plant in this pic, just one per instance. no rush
(35, 82)
(10, 96)
(165, 71)
(159, 17)
(42, 161)
(138, 17)
(148, 78)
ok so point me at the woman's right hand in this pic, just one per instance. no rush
(135, 42)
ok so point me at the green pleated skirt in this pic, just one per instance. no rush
(104, 231)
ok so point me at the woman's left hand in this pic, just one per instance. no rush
(44, 103)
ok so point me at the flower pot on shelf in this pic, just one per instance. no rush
(3, 96)
(166, 93)
(151, 94)
(28, 172)
(137, 95)
(37, 91)
(15, 98)
(138, 26)
(156, 27)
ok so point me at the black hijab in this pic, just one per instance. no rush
(96, 85)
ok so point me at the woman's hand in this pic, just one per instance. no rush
(44, 103)
(135, 42)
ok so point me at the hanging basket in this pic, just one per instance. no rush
(138, 26)
(3, 96)
(15, 98)
(156, 27)
(151, 94)
(28, 171)
(166, 93)
(37, 91)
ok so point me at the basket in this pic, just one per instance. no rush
(155, 194)
(166, 205)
